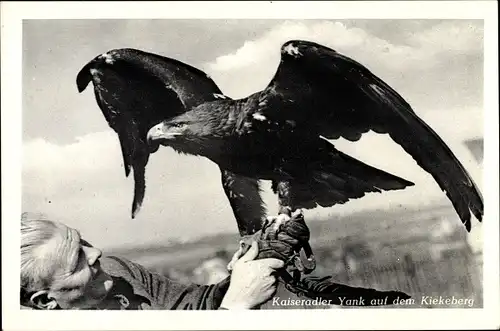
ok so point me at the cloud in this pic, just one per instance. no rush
(49, 167)
(93, 149)
(454, 37)
(444, 37)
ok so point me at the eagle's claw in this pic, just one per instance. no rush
(277, 222)
(283, 237)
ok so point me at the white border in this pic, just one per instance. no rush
(12, 14)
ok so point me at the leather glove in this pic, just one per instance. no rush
(286, 243)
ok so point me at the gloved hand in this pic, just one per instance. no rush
(285, 243)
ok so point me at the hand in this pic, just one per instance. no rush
(269, 233)
(236, 256)
(251, 281)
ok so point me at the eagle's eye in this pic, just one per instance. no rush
(178, 124)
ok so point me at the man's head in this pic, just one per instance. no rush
(59, 269)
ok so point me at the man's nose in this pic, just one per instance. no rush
(93, 254)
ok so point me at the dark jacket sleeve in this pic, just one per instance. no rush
(173, 295)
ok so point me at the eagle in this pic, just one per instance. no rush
(282, 133)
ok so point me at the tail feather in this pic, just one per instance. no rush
(338, 178)
(361, 173)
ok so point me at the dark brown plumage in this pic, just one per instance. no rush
(280, 134)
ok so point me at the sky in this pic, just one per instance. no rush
(72, 164)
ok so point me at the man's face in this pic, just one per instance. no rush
(78, 282)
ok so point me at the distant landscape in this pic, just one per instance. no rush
(423, 252)
(389, 227)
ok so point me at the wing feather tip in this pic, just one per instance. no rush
(479, 216)
(83, 79)
(127, 170)
(467, 224)
(409, 183)
(136, 207)
(84, 76)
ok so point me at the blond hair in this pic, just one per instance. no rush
(35, 274)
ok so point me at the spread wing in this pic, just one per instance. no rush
(136, 90)
(326, 93)
(244, 197)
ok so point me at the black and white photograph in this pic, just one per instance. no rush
(260, 158)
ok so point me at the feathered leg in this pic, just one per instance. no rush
(243, 194)
(287, 212)
(285, 205)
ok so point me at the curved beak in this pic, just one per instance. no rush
(160, 132)
(155, 132)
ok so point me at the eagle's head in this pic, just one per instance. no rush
(191, 132)
(169, 132)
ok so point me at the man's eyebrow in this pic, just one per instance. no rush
(78, 235)
(76, 260)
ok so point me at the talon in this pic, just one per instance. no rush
(280, 226)
(265, 224)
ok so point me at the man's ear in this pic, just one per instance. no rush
(43, 300)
